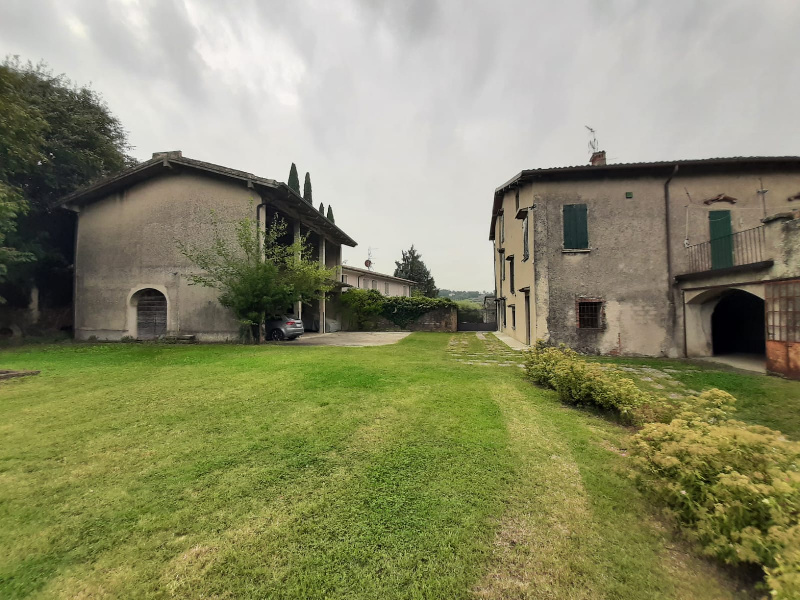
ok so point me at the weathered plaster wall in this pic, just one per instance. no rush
(625, 265)
(127, 242)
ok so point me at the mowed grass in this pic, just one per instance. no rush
(152, 471)
(761, 400)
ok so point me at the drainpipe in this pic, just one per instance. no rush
(671, 316)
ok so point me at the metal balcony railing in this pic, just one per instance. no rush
(741, 248)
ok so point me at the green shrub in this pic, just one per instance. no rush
(735, 488)
(403, 310)
(364, 305)
(580, 382)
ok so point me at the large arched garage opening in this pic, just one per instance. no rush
(151, 313)
(737, 324)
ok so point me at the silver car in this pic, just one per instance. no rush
(285, 328)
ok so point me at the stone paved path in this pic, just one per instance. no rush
(482, 349)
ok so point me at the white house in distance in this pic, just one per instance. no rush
(365, 279)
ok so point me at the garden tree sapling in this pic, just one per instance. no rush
(257, 275)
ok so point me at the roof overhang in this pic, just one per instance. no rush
(645, 169)
(278, 192)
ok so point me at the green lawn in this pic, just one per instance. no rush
(157, 471)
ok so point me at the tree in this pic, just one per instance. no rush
(294, 180)
(257, 275)
(321, 208)
(55, 137)
(411, 267)
(307, 196)
(330, 214)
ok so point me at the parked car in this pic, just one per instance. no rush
(285, 328)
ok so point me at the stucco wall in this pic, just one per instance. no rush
(128, 242)
(626, 264)
(364, 281)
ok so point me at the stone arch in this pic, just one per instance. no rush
(701, 307)
(737, 324)
(148, 312)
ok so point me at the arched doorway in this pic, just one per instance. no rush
(151, 314)
(737, 324)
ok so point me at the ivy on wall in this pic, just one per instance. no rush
(365, 305)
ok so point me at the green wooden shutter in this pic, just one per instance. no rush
(576, 231)
(721, 234)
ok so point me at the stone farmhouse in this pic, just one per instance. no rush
(388, 285)
(129, 275)
(690, 258)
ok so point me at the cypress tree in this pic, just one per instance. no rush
(330, 214)
(321, 208)
(294, 180)
(307, 189)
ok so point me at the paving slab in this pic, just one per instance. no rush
(348, 338)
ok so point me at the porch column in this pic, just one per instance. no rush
(322, 297)
(298, 306)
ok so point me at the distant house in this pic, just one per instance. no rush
(687, 258)
(387, 285)
(129, 275)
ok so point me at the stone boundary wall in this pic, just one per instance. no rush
(438, 320)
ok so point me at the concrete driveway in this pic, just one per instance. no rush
(349, 338)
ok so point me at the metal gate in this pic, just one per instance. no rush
(151, 315)
(782, 306)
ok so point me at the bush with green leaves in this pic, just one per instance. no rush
(365, 305)
(578, 381)
(404, 310)
(735, 488)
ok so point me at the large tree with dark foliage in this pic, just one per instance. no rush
(57, 138)
(411, 267)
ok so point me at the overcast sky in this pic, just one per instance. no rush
(408, 114)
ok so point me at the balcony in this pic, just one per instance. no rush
(741, 251)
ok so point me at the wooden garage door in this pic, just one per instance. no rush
(151, 315)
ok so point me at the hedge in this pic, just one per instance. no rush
(734, 488)
(364, 305)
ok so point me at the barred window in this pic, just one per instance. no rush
(590, 314)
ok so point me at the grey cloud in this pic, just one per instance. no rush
(409, 114)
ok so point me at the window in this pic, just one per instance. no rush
(374, 285)
(405, 290)
(502, 266)
(503, 308)
(516, 199)
(502, 229)
(344, 278)
(576, 232)
(386, 287)
(525, 250)
(513, 316)
(590, 313)
(511, 274)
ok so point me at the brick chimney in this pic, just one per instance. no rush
(598, 159)
(168, 154)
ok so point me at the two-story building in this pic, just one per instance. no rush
(388, 285)
(130, 277)
(685, 258)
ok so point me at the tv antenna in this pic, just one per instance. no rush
(369, 262)
(594, 145)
